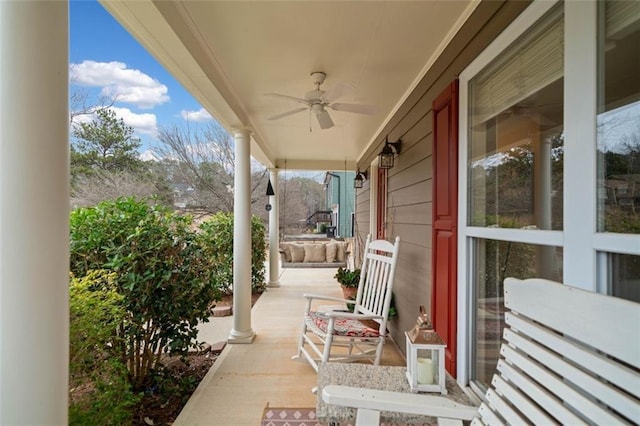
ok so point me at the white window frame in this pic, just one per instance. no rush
(467, 234)
(584, 249)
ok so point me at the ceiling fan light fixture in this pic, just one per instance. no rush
(388, 153)
(319, 101)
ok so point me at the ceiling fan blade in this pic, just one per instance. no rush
(338, 91)
(324, 119)
(288, 98)
(357, 108)
(286, 114)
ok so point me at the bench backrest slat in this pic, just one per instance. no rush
(537, 363)
(616, 373)
(539, 395)
(509, 414)
(520, 400)
(607, 323)
(562, 359)
(581, 377)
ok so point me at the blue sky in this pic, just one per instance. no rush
(105, 59)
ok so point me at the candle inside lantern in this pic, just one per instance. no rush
(425, 371)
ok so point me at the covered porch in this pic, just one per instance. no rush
(247, 377)
(248, 64)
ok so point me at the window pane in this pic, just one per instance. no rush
(496, 260)
(516, 133)
(624, 279)
(619, 118)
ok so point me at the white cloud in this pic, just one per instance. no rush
(141, 123)
(127, 85)
(149, 155)
(196, 116)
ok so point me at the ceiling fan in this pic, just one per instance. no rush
(317, 101)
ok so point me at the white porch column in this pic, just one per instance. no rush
(34, 215)
(242, 332)
(274, 231)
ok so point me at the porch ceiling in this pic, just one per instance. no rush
(228, 54)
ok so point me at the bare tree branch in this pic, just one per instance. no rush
(109, 185)
(203, 160)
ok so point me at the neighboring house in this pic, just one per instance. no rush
(501, 108)
(320, 220)
(340, 199)
(183, 195)
(624, 189)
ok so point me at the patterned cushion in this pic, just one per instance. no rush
(342, 326)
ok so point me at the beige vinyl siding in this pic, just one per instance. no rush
(409, 191)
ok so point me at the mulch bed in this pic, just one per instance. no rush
(162, 406)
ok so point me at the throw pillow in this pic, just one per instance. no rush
(286, 251)
(297, 252)
(314, 253)
(332, 252)
(340, 256)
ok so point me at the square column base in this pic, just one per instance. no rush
(241, 337)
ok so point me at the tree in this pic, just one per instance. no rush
(201, 163)
(299, 198)
(105, 143)
(80, 105)
(105, 163)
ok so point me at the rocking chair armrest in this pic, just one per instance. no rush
(379, 400)
(351, 315)
(329, 298)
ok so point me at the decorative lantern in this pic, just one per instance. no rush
(425, 357)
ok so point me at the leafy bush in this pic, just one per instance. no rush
(217, 233)
(100, 392)
(166, 280)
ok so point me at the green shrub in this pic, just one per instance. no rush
(100, 392)
(167, 282)
(217, 233)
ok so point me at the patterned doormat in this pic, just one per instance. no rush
(287, 416)
(281, 416)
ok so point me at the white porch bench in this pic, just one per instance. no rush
(568, 357)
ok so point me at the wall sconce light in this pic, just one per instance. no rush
(386, 156)
(359, 179)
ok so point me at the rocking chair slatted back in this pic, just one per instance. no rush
(343, 336)
(376, 280)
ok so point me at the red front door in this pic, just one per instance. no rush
(381, 203)
(445, 216)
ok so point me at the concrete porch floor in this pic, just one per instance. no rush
(248, 376)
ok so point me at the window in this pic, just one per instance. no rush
(618, 135)
(515, 133)
(515, 146)
(494, 261)
(550, 144)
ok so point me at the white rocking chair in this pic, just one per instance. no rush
(324, 331)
